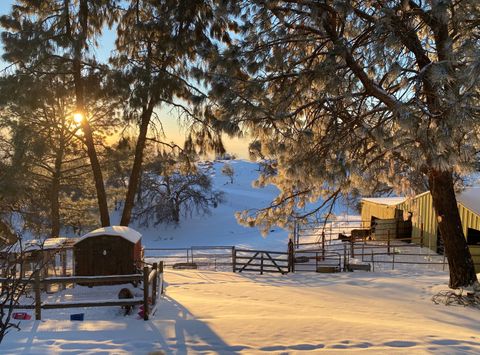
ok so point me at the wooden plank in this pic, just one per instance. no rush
(251, 259)
(79, 279)
(21, 306)
(264, 265)
(38, 298)
(94, 279)
(145, 293)
(154, 282)
(274, 263)
(258, 270)
(261, 251)
(153, 273)
(92, 304)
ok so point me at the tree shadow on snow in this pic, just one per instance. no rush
(184, 332)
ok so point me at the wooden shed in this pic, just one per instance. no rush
(424, 220)
(114, 250)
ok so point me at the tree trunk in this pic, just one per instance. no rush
(80, 43)
(176, 212)
(55, 192)
(135, 174)
(462, 270)
(97, 175)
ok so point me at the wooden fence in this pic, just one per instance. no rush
(152, 279)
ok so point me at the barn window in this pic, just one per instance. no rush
(473, 236)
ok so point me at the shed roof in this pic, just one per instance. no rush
(125, 232)
(40, 244)
(387, 201)
(470, 198)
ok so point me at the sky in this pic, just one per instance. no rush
(173, 130)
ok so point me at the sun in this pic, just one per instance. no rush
(78, 117)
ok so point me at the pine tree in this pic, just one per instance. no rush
(50, 164)
(42, 36)
(160, 47)
(344, 95)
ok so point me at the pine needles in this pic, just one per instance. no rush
(452, 298)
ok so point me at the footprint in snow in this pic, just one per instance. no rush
(400, 344)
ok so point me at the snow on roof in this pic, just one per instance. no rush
(470, 198)
(388, 201)
(125, 232)
(37, 244)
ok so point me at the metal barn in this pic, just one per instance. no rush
(114, 250)
(424, 220)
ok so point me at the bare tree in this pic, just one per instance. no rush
(17, 272)
(227, 170)
(170, 190)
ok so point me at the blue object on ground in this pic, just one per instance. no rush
(78, 316)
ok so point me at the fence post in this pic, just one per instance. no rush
(373, 262)
(295, 231)
(352, 247)
(145, 293)
(38, 298)
(388, 241)
(316, 262)
(393, 261)
(160, 271)
(323, 244)
(421, 235)
(261, 265)
(155, 283)
(344, 257)
(397, 228)
(234, 259)
(291, 257)
(363, 249)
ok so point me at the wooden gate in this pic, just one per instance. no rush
(260, 261)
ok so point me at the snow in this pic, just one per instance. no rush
(127, 233)
(470, 198)
(382, 312)
(388, 201)
(220, 227)
(226, 313)
(37, 244)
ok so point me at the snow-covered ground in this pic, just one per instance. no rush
(384, 312)
(226, 313)
(221, 227)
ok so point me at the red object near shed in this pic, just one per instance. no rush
(114, 250)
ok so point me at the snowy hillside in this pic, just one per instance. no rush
(221, 227)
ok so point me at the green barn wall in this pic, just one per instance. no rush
(371, 209)
(423, 217)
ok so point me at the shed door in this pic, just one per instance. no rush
(105, 260)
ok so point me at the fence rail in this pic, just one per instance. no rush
(213, 257)
(152, 279)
